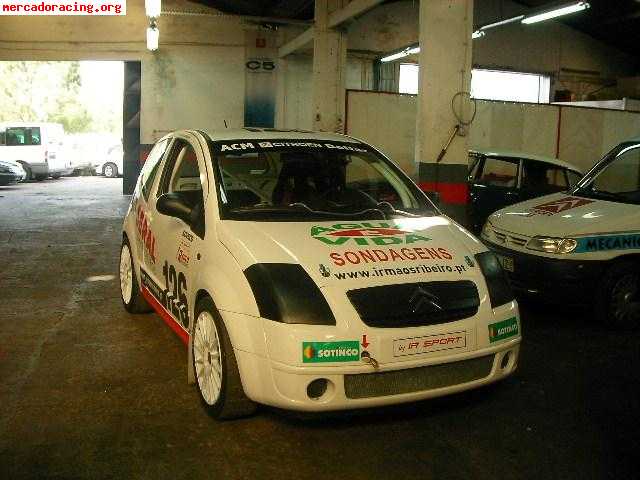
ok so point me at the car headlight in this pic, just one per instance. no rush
(285, 293)
(499, 288)
(552, 245)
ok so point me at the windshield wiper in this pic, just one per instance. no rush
(597, 194)
(339, 214)
(298, 209)
(391, 209)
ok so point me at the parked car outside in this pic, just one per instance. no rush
(11, 172)
(501, 178)
(111, 165)
(298, 282)
(36, 146)
(581, 247)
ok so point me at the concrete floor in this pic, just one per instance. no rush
(89, 391)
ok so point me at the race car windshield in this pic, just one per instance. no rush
(289, 181)
(616, 177)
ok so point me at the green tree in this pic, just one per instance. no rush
(43, 92)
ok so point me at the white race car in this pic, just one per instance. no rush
(579, 247)
(306, 271)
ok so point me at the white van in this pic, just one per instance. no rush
(36, 146)
(582, 246)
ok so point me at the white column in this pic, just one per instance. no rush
(329, 65)
(446, 27)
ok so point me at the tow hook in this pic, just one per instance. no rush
(367, 358)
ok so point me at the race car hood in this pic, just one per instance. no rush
(372, 252)
(564, 215)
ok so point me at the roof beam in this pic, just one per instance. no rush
(353, 9)
(297, 43)
(337, 18)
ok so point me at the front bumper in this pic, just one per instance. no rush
(350, 387)
(557, 280)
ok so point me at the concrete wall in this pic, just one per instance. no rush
(294, 103)
(386, 120)
(184, 87)
(579, 135)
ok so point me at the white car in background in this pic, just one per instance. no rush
(308, 272)
(36, 146)
(579, 247)
(112, 165)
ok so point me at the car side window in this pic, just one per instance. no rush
(543, 177)
(622, 175)
(499, 172)
(182, 174)
(475, 161)
(573, 178)
(151, 165)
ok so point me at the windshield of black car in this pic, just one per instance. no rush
(616, 177)
(304, 180)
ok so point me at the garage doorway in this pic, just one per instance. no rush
(71, 118)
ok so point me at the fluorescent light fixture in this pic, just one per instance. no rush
(401, 54)
(153, 37)
(556, 12)
(395, 56)
(415, 50)
(499, 23)
(153, 8)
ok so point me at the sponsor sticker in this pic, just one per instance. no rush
(561, 205)
(367, 233)
(603, 243)
(501, 330)
(432, 343)
(253, 147)
(326, 352)
(145, 234)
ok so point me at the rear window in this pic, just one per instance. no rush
(498, 172)
(23, 136)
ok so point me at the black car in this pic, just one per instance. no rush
(499, 179)
(11, 172)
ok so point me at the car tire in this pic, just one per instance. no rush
(130, 293)
(215, 366)
(56, 176)
(110, 170)
(618, 301)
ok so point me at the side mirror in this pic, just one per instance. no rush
(173, 205)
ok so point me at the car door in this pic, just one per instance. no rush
(542, 178)
(144, 244)
(178, 242)
(494, 186)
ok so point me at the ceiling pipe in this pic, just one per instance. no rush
(283, 21)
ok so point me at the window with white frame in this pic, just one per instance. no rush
(490, 84)
(510, 86)
(409, 75)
